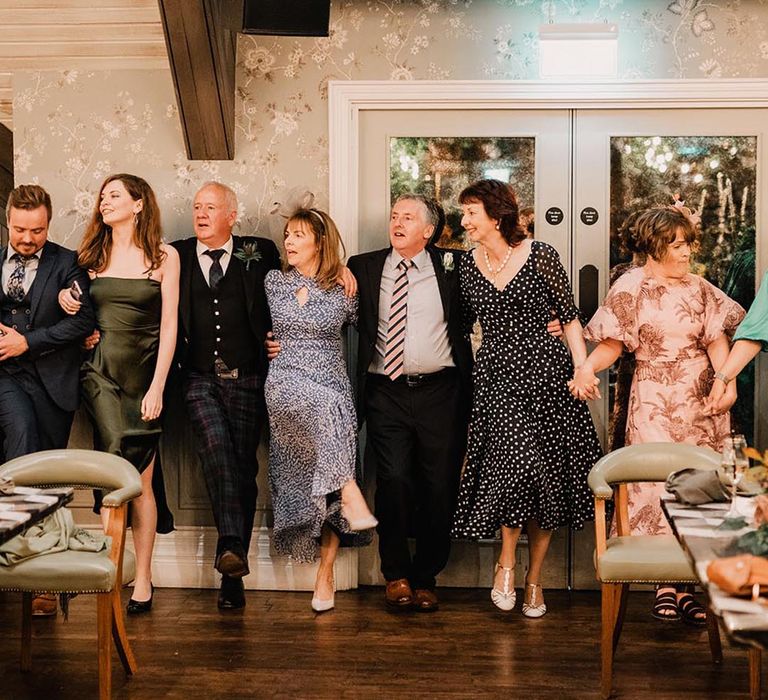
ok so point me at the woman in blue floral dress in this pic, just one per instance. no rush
(316, 502)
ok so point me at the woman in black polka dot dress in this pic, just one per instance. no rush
(531, 444)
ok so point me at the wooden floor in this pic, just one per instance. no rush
(278, 648)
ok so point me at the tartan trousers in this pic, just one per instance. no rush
(228, 416)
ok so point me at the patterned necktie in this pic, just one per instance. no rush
(398, 312)
(16, 280)
(216, 273)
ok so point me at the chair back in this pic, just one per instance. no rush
(652, 461)
(79, 469)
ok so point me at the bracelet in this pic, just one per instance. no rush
(725, 380)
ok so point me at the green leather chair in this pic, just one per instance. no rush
(102, 573)
(626, 558)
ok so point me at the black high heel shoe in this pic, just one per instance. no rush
(137, 607)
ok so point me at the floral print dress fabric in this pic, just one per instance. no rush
(312, 421)
(668, 328)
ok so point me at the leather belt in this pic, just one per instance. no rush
(221, 370)
(414, 380)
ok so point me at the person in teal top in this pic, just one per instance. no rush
(751, 337)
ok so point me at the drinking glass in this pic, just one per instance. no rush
(736, 463)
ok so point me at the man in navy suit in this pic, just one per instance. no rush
(39, 343)
(221, 354)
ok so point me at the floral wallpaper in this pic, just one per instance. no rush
(74, 127)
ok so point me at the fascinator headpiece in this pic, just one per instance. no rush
(692, 216)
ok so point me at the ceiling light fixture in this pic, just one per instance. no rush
(578, 51)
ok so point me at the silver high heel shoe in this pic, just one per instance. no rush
(531, 609)
(505, 598)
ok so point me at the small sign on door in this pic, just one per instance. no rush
(554, 216)
(589, 216)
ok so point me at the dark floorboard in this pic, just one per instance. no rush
(278, 648)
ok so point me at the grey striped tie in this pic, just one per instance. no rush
(398, 312)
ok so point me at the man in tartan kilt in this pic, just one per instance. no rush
(221, 353)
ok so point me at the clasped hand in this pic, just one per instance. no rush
(584, 385)
(721, 398)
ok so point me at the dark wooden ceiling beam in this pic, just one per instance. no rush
(6, 168)
(201, 36)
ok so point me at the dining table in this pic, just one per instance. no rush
(704, 536)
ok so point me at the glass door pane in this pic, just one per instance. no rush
(441, 167)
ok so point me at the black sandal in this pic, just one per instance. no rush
(693, 612)
(665, 606)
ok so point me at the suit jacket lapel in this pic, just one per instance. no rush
(442, 281)
(44, 268)
(239, 267)
(185, 288)
(3, 253)
(375, 272)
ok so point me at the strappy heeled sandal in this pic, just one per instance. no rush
(530, 609)
(505, 598)
(693, 612)
(665, 606)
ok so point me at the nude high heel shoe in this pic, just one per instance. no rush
(320, 606)
(505, 598)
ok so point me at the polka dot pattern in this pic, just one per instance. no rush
(531, 444)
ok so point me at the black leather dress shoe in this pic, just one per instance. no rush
(231, 559)
(231, 594)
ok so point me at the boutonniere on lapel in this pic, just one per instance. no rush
(248, 253)
(448, 262)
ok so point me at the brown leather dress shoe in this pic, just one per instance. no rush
(425, 600)
(44, 605)
(398, 593)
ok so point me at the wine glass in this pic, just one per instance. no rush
(738, 463)
(741, 462)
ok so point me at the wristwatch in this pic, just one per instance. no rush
(725, 380)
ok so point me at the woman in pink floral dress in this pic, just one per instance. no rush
(677, 324)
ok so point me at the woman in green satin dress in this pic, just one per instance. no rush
(751, 337)
(135, 291)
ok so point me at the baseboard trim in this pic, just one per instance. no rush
(184, 559)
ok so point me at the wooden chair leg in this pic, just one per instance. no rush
(26, 632)
(104, 632)
(713, 632)
(755, 673)
(621, 609)
(122, 644)
(609, 597)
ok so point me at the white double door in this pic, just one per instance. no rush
(591, 168)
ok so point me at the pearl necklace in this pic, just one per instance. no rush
(495, 273)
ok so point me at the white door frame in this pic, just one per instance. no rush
(346, 98)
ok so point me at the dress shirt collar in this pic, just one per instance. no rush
(10, 252)
(227, 247)
(418, 260)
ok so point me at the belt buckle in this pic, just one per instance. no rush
(412, 380)
(222, 371)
